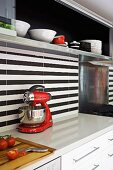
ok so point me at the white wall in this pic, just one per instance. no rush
(103, 8)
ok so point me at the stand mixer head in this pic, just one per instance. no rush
(35, 118)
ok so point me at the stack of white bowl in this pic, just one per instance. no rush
(96, 46)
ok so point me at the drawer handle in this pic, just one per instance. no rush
(95, 167)
(110, 155)
(110, 139)
(95, 148)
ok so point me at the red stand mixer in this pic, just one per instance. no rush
(35, 117)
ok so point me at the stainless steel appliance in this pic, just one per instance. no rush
(94, 85)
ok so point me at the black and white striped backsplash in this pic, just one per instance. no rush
(111, 85)
(23, 66)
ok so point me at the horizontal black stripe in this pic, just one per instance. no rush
(110, 91)
(59, 97)
(60, 73)
(27, 55)
(111, 85)
(110, 70)
(60, 89)
(2, 61)
(63, 103)
(17, 82)
(53, 65)
(73, 95)
(73, 88)
(12, 112)
(2, 82)
(60, 111)
(73, 102)
(58, 104)
(4, 113)
(65, 96)
(11, 122)
(110, 75)
(12, 92)
(56, 52)
(59, 81)
(2, 93)
(73, 108)
(61, 59)
(3, 52)
(24, 63)
(11, 102)
(3, 43)
(3, 72)
(110, 80)
(22, 72)
(2, 124)
(110, 100)
(110, 95)
(2, 103)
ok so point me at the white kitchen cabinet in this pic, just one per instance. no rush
(53, 165)
(96, 154)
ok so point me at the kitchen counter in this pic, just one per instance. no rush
(68, 134)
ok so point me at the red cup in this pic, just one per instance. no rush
(59, 39)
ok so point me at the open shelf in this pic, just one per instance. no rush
(52, 15)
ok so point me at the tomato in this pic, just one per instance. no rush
(22, 153)
(3, 144)
(12, 154)
(10, 141)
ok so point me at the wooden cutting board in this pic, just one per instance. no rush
(28, 159)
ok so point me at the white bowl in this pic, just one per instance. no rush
(46, 35)
(21, 27)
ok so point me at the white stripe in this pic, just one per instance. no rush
(63, 107)
(39, 53)
(20, 96)
(27, 86)
(110, 93)
(10, 107)
(67, 92)
(61, 56)
(59, 62)
(8, 117)
(62, 100)
(111, 73)
(111, 103)
(110, 78)
(110, 83)
(36, 68)
(110, 88)
(11, 97)
(36, 77)
(36, 59)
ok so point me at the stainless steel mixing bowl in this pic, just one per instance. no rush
(32, 114)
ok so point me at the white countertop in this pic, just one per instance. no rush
(68, 134)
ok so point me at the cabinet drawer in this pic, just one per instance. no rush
(90, 152)
(79, 157)
(53, 165)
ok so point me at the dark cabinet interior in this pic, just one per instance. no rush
(53, 15)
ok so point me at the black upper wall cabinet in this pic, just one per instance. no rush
(52, 15)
